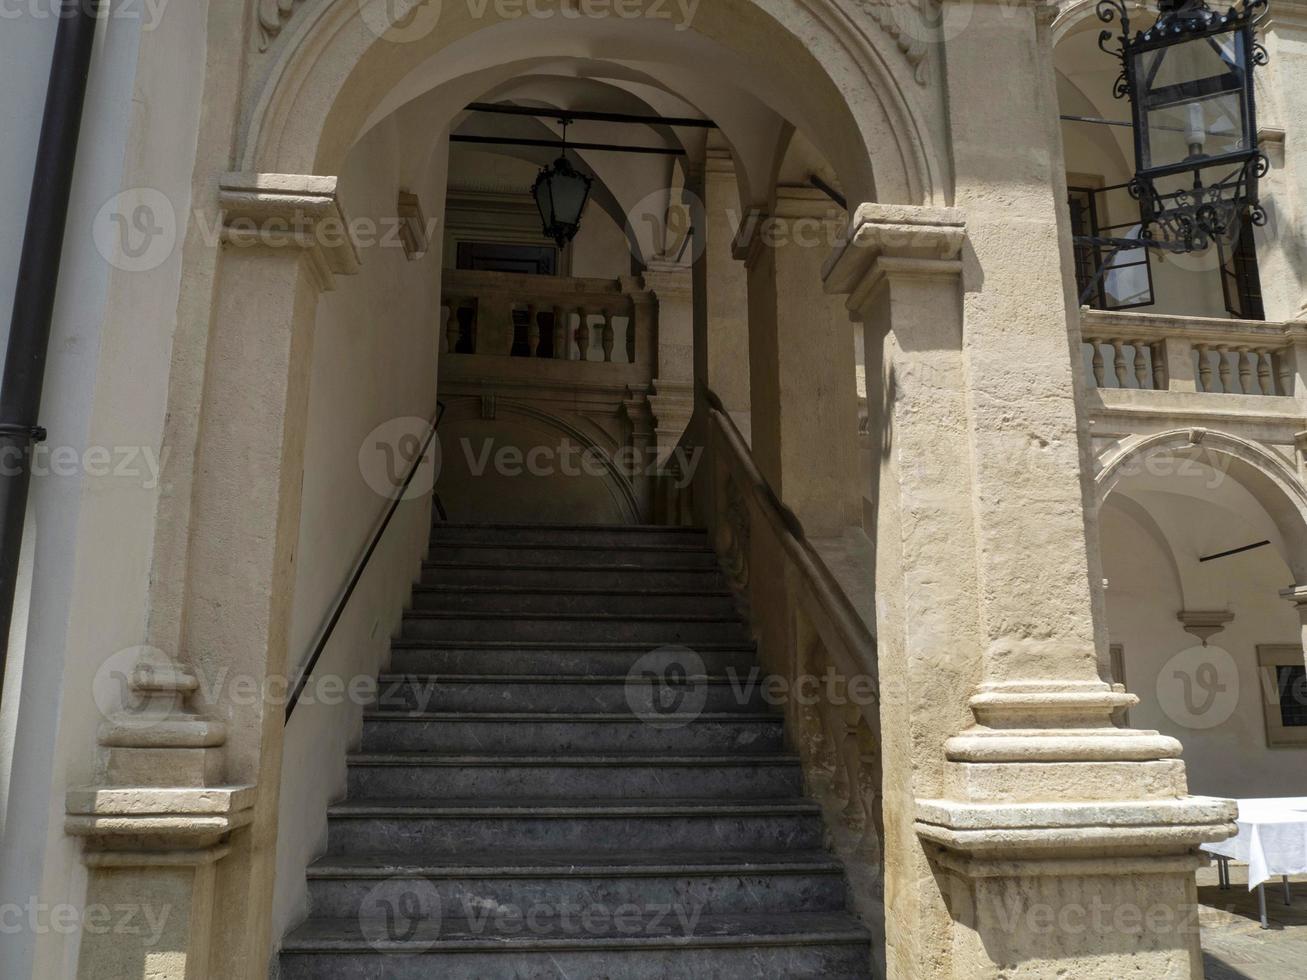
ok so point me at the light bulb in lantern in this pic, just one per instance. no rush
(1196, 134)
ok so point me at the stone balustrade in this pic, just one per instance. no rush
(558, 318)
(1148, 351)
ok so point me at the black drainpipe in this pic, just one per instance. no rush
(38, 278)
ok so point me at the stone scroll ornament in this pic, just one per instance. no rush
(273, 17)
(911, 24)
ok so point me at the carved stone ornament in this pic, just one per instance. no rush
(273, 17)
(906, 22)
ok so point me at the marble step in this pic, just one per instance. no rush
(593, 575)
(568, 555)
(445, 777)
(597, 535)
(724, 882)
(654, 630)
(418, 657)
(571, 693)
(544, 734)
(527, 602)
(390, 826)
(793, 945)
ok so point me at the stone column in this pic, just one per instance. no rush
(1026, 835)
(671, 394)
(1282, 245)
(803, 378)
(285, 238)
(1298, 596)
(722, 291)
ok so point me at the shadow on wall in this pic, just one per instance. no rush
(510, 470)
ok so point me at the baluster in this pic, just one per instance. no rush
(1204, 368)
(1243, 358)
(1264, 376)
(1224, 370)
(532, 330)
(608, 337)
(1283, 372)
(1122, 369)
(560, 333)
(582, 335)
(1099, 365)
(1157, 352)
(630, 339)
(1141, 365)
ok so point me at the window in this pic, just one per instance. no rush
(1109, 278)
(1240, 280)
(529, 260)
(1284, 683)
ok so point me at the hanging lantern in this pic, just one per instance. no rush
(1189, 79)
(561, 193)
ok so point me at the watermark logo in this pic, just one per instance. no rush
(669, 223)
(1198, 688)
(121, 691)
(401, 21)
(136, 230)
(401, 912)
(148, 12)
(388, 455)
(668, 687)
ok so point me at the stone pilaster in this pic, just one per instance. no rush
(672, 393)
(803, 378)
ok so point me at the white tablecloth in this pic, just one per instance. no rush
(1272, 839)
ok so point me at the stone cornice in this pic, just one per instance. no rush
(903, 239)
(290, 211)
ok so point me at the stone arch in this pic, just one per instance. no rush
(332, 72)
(1268, 478)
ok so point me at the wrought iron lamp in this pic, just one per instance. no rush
(561, 193)
(1189, 79)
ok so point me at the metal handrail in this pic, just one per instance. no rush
(360, 567)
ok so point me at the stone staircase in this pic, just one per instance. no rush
(527, 803)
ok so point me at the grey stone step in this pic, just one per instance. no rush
(793, 945)
(576, 658)
(466, 885)
(595, 535)
(430, 776)
(388, 827)
(634, 602)
(566, 694)
(628, 556)
(653, 630)
(539, 734)
(586, 576)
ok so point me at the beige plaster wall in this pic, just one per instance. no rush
(375, 358)
(1145, 592)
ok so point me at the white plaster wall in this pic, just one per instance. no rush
(90, 536)
(1143, 596)
(375, 356)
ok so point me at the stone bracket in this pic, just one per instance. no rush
(157, 820)
(290, 211)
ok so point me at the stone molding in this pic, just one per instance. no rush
(1204, 624)
(894, 239)
(290, 211)
(274, 15)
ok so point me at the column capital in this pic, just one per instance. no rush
(923, 241)
(298, 212)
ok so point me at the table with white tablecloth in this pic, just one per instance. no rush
(1272, 841)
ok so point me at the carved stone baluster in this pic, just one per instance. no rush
(560, 333)
(1204, 368)
(582, 335)
(1243, 357)
(1224, 370)
(608, 337)
(1122, 368)
(533, 330)
(1157, 352)
(1264, 376)
(1141, 367)
(1099, 364)
(1284, 372)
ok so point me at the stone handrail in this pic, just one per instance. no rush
(563, 318)
(810, 634)
(1157, 352)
